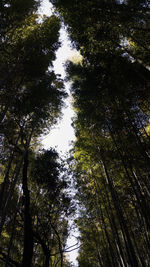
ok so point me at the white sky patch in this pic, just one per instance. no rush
(62, 135)
(46, 8)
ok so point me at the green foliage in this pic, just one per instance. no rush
(34, 203)
(111, 152)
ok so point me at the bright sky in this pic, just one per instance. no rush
(63, 134)
(61, 137)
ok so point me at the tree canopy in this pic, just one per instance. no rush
(111, 153)
(34, 202)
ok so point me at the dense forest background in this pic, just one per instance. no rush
(110, 160)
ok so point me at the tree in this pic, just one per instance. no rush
(110, 91)
(31, 101)
(42, 212)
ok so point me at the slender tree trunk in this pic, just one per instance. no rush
(104, 226)
(28, 232)
(115, 232)
(12, 236)
(130, 249)
(6, 177)
(13, 184)
(45, 248)
(136, 188)
(10, 194)
(47, 259)
(60, 245)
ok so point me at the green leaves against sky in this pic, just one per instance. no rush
(111, 154)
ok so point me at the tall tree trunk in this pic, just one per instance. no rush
(10, 194)
(47, 259)
(45, 248)
(12, 235)
(13, 184)
(60, 245)
(6, 177)
(104, 226)
(28, 232)
(133, 181)
(129, 246)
